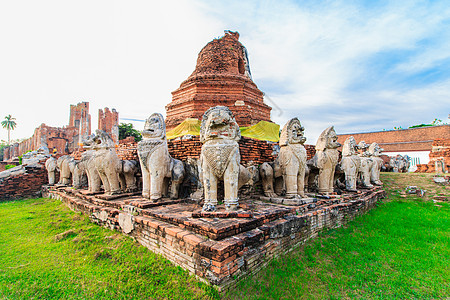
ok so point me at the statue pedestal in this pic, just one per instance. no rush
(220, 246)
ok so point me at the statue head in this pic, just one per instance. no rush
(375, 149)
(102, 140)
(350, 147)
(155, 127)
(327, 140)
(292, 133)
(219, 123)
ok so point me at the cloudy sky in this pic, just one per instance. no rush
(359, 65)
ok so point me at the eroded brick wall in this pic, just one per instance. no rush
(439, 156)
(413, 139)
(25, 185)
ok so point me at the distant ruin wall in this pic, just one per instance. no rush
(405, 140)
(439, 158)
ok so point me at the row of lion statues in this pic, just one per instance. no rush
(289, 176)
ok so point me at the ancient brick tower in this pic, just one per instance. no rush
(108, 121)
(221, 77)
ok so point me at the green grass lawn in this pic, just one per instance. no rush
(401, 249)
(50, 252)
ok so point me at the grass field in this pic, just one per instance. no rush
(401, 249)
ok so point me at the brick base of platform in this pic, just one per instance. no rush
(218, 250)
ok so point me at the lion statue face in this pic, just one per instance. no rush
(375, 149)
(102, 140)
(154, 127)
(219, 123)
(327, 140)
(292, 133)
(350, 147)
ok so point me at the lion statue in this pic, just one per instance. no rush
(325, 160)
(289, 168)
(65, 165)
(220, 158)
(375, 152)
(50, 165)
(106, 162)
(157, 166)
(366, 165)
(350, 163)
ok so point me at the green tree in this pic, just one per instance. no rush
(126, 130)
(9, 123)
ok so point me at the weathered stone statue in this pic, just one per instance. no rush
(350, 163)
(87, 165)
(219, 158)
(127, 175)
(375, 152)
(366, 165)
(288, 171)
(50, 165)
(157, 166)
(326, 159)
(65, 165)
(399, 163)
(107, 162)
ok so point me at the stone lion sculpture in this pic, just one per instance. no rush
(375, 151)
(157, 166)
(350, 163)
(289, 168)
(366, 165)
(65, 165)
(219, 158)
(326, 159)
(50, 165)
(106, 162)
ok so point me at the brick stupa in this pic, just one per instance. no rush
(222, 77)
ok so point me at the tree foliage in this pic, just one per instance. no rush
(126, 130)
(9, 123)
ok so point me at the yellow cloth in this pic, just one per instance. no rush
(189, 126)
(263, 130)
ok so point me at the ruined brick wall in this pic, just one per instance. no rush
(108, 121)
(413, 139)
(80, 118)
(127, 149)
(252, 151)
(439, 158)
(221, 77)
(24, 185)
(64, 139)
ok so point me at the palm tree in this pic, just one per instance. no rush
(9, 123)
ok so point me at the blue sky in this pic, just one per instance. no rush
(358, 65)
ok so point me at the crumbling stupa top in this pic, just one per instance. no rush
(225, 55)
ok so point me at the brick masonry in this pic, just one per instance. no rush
(219, 250)
(25, 184)
(439, 157)
(221, 77)
(405, 140)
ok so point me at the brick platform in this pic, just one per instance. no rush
(219, 250)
